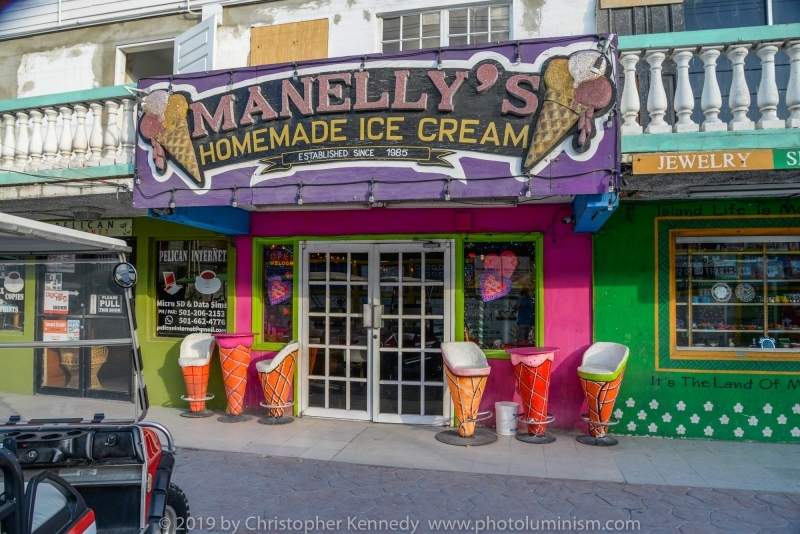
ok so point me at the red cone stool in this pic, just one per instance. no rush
(234, 356)
(195, 362)
(600, 374)
(277, 377)
(532, 367)
(466, 369)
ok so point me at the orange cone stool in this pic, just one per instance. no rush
(600, 374)
(195, 362)
(467, 370)
(234, 356)
(532, 367)
(277, 378)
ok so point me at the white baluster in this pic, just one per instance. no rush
(96, 137)
(21, 149)
(36, 145)
(111, 136)
(630, 94)
(80, 143)
(657, 97)
(50, 146)
(65, 141)
(793, 89)
(9, 122)
(739, 98)
(768, 96)
(684, 98)
(711, 99)
(128, 134)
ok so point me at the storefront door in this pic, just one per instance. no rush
(373, 318)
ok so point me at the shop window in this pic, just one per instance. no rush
(191, 287)
(277, 298)
(499, 294)
(478, 25)
(735, 296)
(12, 295)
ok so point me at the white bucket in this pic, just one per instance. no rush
(506, 417)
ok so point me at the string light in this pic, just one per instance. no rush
(172, 199)
(294, 75)
(363, 64)
(439, 59)
(300, 193)
(518, 59)
(234, 202)
(371, 191)
(447, 189)
(528, 189)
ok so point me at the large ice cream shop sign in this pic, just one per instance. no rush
(517, 119)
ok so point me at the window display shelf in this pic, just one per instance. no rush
(758, 252)
(724, 280)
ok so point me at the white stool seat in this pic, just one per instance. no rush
(465, 358)
(603, 361)
(196, 350)
(267, 366)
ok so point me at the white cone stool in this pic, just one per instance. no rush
(277, 377)
(600, 374)
(195, 362)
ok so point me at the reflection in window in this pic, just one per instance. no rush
(411, 32)
(734, 292)
(499, 294)
(277, 287)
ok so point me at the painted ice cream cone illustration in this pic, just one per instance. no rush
(467, 392)
(575, 88)
(234, 356)
(196, 379)
(164, 124)
(600, 398)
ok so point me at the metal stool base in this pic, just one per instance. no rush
(241, 418)
(605, 441)
(480, 437)
(197, 415)
(541, 440)
(282, 420)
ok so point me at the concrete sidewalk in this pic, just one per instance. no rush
(655, 461)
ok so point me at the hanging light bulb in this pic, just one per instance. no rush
(234, 202)
(300, 193)
(447, 190)
(371, 191)
(172, 200)
(528, 189)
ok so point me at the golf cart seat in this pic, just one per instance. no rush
(47, 503)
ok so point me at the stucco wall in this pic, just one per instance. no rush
(687, 402)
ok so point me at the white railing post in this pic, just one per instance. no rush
(711, 99)
(65, 141)
(656, 97)
(793, 89)
(739, 98)
(111, 136)
(96, 137)
(21, 150)
(50, 146)
(630, 94)
(36, 145)
(9, 142)
(80, 143)
(684, 98)
(768, 96)
(127, 133)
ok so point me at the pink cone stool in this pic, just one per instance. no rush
(234, 357)
(532, 367)
(195, 362)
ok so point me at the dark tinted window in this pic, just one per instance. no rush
(785, 11)
(714, 14)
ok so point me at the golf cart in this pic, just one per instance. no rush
(76, 455)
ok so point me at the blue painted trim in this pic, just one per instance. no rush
(61, 175)
(591, 211)
(70, 97)
(750, 34)
(221, 219)
(702, 141)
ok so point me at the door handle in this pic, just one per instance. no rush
(367, 318)
(377, 316)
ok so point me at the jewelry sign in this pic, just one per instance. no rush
(501, 120)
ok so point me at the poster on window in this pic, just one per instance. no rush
(105, 304)
(56, 302)
(12, 297)
(192, 280)
(61, 330)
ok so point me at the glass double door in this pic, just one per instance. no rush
(373, 319)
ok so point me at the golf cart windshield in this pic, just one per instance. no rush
(67, 341)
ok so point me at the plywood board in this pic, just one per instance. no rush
(283, 43)
(614, 4)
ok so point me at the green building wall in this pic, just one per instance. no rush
(686, 399)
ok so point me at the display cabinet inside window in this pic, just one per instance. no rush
(277, 300)
(737, 293)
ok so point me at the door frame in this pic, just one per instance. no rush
(303, 325)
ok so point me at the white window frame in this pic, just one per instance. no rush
(489, 31)
(123, 50)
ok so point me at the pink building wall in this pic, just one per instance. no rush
(567, 280)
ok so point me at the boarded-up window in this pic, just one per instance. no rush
(283, 43)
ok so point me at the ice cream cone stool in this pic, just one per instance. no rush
(600, 374)
(532, 367)
(195, 362)
(234, 357)
(467, 370)
(277, 377)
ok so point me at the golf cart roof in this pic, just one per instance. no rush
(24, 236)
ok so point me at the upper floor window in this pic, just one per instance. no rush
(714, 14)
(447, 27)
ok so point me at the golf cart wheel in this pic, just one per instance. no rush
(177, 510)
